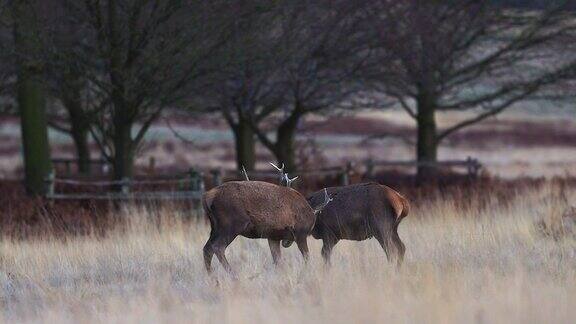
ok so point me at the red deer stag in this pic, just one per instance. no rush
(360, 212)
(256, 209)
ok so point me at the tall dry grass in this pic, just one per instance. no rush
(476, 265)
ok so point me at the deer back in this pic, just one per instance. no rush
(261, 204)
(358, 200)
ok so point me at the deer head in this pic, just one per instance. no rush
(284, 178)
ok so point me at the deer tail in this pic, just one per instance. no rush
(207, 200)
(403, 211)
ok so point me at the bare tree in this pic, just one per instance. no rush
(246, 77)
(461, 56)
(30, 92)
(74, 101)
(321, 52)
(72, 110)
(142, 56)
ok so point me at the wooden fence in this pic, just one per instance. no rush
(70, 166)
(68, 163)
(190, 186)
(341, 172)
(472, 166)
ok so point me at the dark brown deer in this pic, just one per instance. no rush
(359, 212)
(256, 209)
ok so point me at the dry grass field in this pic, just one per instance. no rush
(495, 263)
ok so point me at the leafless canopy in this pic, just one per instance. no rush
(138, 57)
(466, 54)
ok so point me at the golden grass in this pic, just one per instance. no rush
(489, 266)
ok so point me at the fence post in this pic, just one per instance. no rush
(104, 167)
(196, 185)
(68, 167)
(192, 183)
(200, 178)
(216, 177)
(151, 165)
(125, 186)
(50, 184)
(196, 180)
(349, 168)
(369, 168)
(345, 174)
(475, 168)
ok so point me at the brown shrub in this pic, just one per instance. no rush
(23, 217)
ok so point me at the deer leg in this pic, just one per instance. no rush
(275, 249)
(220, 245)
(400, 248)
(303, 247)
(382, 229)
(209, 252)
(384, 243)
(327, 246)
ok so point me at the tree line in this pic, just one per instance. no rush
(106, 70)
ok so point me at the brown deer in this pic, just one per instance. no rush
(256, 209)
(359, 212)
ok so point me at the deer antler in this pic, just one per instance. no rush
(327, 200)
(288, 180)
(281, 170)
(278, 168)
(245, 173)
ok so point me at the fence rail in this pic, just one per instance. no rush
(191, 188)
(169, 195)
(103, 165)
(471, 165)
(192, 185)
(342, 172)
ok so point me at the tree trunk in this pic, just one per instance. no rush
(285, 139)
(124, 112)
(123, 158)
(79, 134)
(245, 145)
(427, 144)
(31, 101)
(79, 120)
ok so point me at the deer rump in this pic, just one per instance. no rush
(256, 209)
(359, 212)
